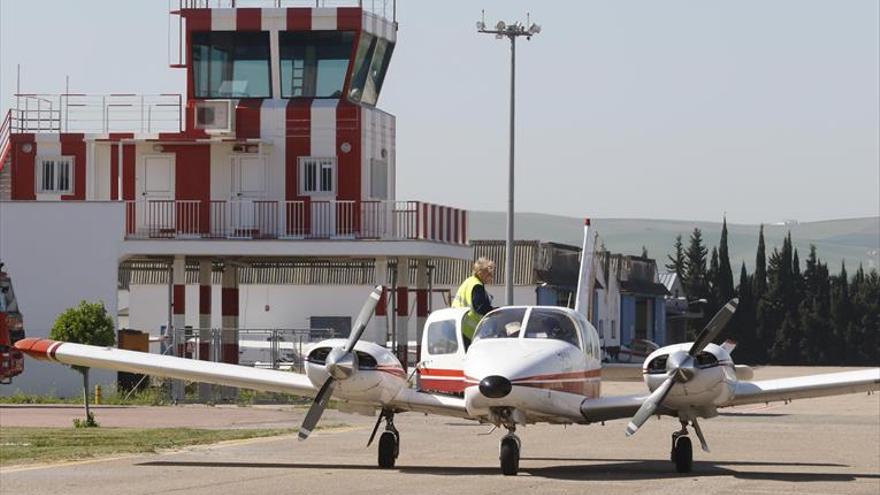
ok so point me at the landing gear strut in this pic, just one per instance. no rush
(509, 452)
(389, 443)
(682, 454)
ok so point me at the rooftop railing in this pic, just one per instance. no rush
(384, 8)
(77, 112)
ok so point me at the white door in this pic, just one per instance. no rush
(155, 187)
(251, 215)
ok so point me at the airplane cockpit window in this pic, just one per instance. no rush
(502, 324)
(549, 324)
(442, 338)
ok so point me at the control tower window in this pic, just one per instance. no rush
(370, 65)
(314, 63)
(229, 64)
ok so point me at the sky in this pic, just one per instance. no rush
(759, 110)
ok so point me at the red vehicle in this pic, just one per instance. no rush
(11, 331)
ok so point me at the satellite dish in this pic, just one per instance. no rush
(500, 26)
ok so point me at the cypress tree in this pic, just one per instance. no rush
(840, 312)
(744, 319)
(759, 279)
(725, 273)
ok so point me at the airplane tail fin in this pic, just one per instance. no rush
(584, 301)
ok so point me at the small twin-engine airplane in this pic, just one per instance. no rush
(527, 364)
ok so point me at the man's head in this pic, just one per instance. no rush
(484, 269)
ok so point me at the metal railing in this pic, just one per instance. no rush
(5, 144)
(277, 348)
(76, 112)
(270, 219)
(385, 8)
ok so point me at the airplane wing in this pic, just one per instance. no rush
(412, 400)
(167, 366)
(802, 387)
(611, 407)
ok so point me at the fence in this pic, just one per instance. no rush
(268, 219)
(276, 348)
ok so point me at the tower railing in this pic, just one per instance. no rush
(96, 113)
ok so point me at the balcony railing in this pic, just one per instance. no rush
(269, 219)
(75, 112)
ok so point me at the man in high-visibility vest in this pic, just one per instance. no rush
(472, 294)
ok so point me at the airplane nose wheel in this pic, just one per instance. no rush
(389, 444)
(509, 453)
(682, 454)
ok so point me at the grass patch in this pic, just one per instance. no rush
(32, 445)
(151, 396)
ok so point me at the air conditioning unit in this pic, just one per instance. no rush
(214, 116)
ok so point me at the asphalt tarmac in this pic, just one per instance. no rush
(816, 446)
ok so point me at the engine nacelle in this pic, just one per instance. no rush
(378, 374)
(711, 378)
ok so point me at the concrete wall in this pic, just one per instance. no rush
(57, 255)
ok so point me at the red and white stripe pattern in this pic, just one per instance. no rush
(442, 223)
(291, 19)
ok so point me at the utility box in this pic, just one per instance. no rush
(132, 340)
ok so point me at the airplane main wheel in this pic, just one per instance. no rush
(509, 456)
(389, 447)
(683, 455)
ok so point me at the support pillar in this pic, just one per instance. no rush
(422, 296)
(206, 390)
(229, 331)
(178, 320)
(402, 306)
(379, 323)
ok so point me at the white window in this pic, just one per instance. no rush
(54, 175)
(317, 176)
(378, 179)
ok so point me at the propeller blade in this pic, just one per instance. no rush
(376, 427)
(650, 406)
(699, 432)
(363, 318)
(716, 324)
(317, 409)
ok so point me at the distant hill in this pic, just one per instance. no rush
(856, 240)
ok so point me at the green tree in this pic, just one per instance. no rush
(841, 308)
(724, 276)
(88, 323)
(695, 282)
(676, 260)
(759, 279)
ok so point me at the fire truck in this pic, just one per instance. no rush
(11, 331)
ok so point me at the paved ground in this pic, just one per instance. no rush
(820, 446)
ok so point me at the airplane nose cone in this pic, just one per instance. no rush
(495, 387)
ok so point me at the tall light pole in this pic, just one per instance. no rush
(511, 32)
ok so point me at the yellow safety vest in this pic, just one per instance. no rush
(463, 300)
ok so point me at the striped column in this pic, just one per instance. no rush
(178, 319)
(379, 323)
(421, 303)
(178, 304)
(403, 310)
(229, 322)
(205, 338)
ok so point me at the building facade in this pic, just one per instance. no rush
(275, 151)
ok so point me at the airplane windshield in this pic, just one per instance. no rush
(503, 324)
(549, 324)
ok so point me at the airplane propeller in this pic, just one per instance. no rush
(341, 363)
(680, 368)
